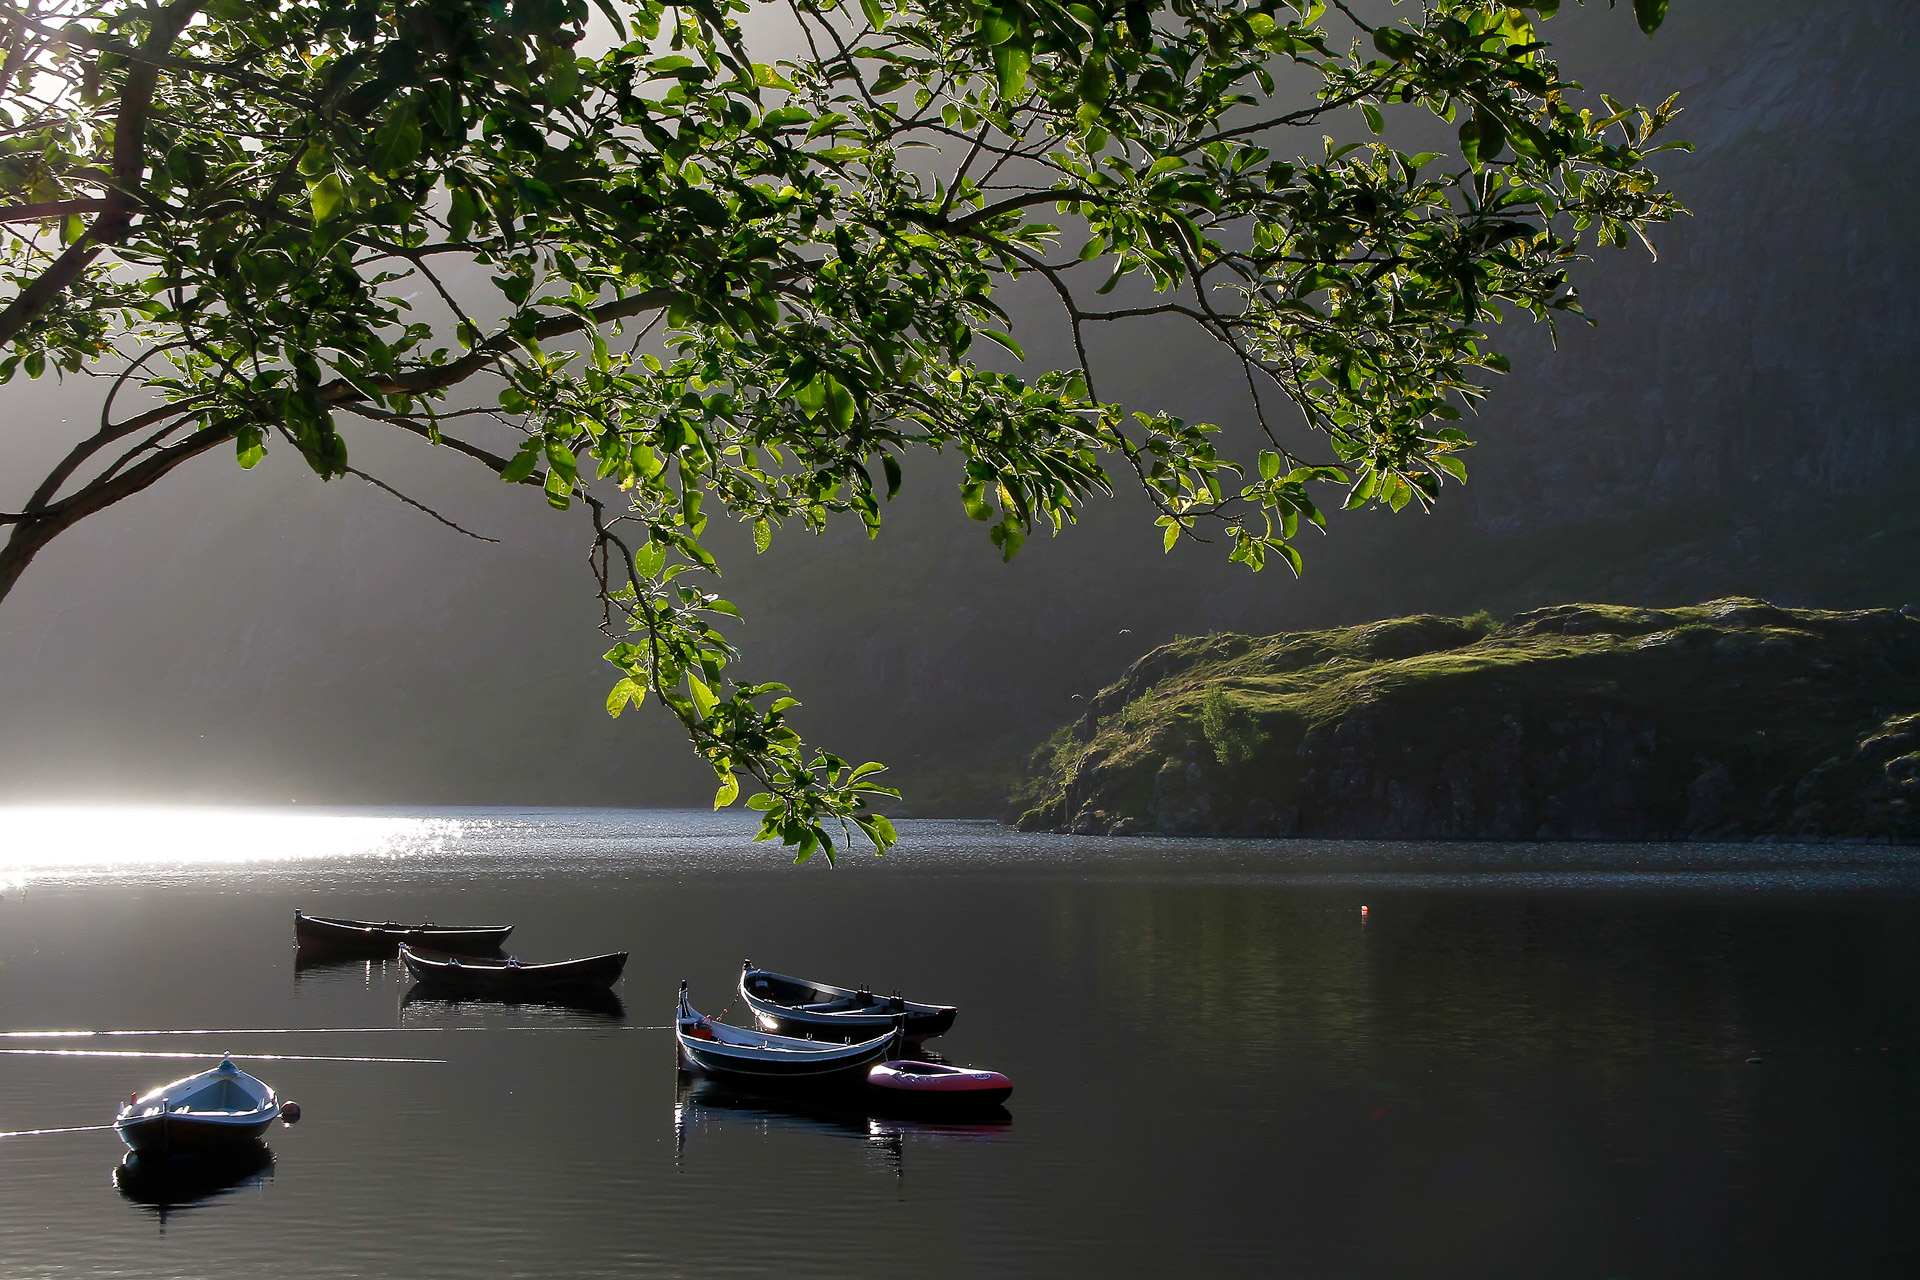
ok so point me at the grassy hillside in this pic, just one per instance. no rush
(1727, 720)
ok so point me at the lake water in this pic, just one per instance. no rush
(1523, 1061)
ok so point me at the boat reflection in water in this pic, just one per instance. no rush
(166, 1184)
(597, 1003)
(310, 959)
(704, 1103)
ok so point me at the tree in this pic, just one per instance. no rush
(632, 258)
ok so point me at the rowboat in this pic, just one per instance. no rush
(935, 1088)
(220, 1108)
(507, 977)
(743, 1055)
(382, 939)
(798, 1007)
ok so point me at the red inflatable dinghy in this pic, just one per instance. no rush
(937, 1086)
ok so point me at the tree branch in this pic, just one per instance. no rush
(129, 167)
(52, 209)
(382, 485)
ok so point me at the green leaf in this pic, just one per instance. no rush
(523, 462)
(1010, 64)
(624, 692)
(840, 404)
(460, 214)
(1395, 43)
(1375, 122)
(703, 698)
(729, 792)
(1004, 340)
(996, 27)
(327, 196)
(1650, 14)
(762, 536)
(1269, 464)
(649, 559)
(250, 445)
(974, 498)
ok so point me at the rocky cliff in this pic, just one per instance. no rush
(1729, 720)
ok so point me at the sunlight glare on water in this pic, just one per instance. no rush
(81, 842)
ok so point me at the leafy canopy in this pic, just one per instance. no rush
(665, 272)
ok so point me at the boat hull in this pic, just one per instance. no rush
(759, 1059)
(847, 1071)
(910, 1089)
(371, 938)
(178, 1134)
(497, 979)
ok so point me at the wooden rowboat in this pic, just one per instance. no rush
(798, 1007)
(507, 977)
(217, 1109)
(758, 1057)
(366, 937)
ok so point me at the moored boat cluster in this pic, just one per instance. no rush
(808, 1036)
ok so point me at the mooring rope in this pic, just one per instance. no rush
(301, 1031)
(34, 1133)
(159, 1053)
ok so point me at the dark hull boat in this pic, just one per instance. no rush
(213, 1111)
(760, 1059)
(508, 978)
(797, 1007)
(366, 937)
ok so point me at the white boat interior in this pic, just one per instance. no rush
(724, 1036)
(224, 1091)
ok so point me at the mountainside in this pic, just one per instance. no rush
(1729, 720)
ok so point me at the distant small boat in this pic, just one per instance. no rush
(220, 1108)
(741, 1055)
(509, 977)
(798, 1007)
(936, 1087)
(371, 938)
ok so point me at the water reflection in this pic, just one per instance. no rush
(40, 843)
(319, 959)
(702, 1104)
(167, 1184)
(595, 1003)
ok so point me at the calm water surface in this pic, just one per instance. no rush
(1525, 1061)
